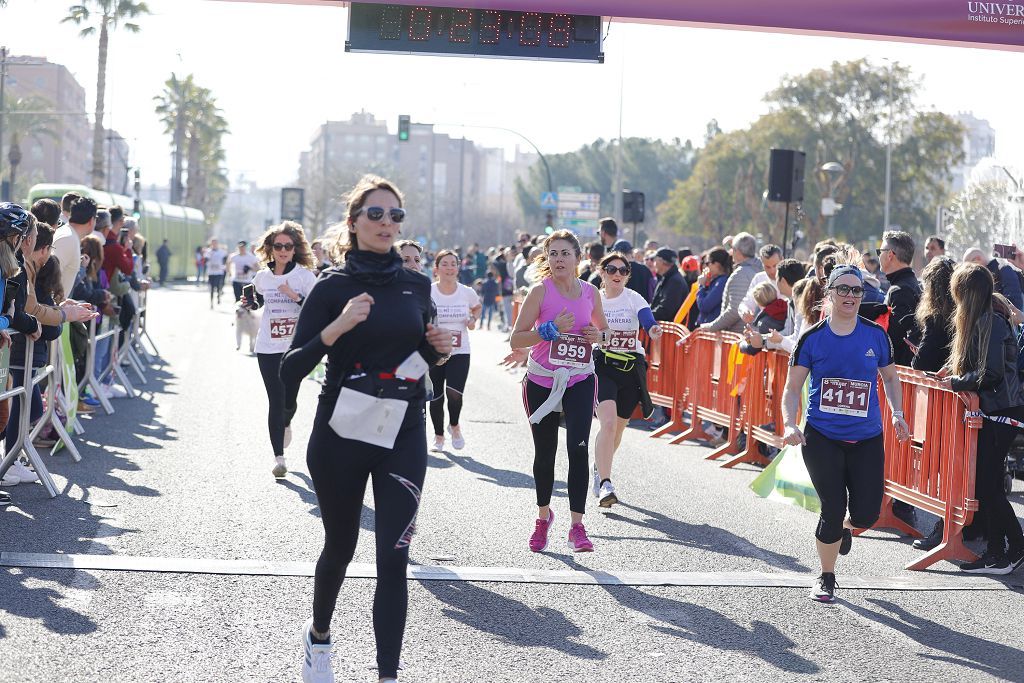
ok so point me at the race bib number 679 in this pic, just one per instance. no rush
(844, 396)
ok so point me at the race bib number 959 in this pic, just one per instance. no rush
(844, 397)
(571, 351)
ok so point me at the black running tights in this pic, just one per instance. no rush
(449, 382)
(1002, 526)
(340, 469)
(578, 407)
(270, 365)
(836, 467)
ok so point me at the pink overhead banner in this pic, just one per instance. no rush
(997, 25)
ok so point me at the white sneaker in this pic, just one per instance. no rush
(287, 436)
(607, 495)
(9, 479)
(438, 444)
(280, 469)
(105, 391)
(23, 473)
(458, 442)
(117, 391)
(595, 485)
(316, 658)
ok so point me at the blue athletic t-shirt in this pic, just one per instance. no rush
(843, 396)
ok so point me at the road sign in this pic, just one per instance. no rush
(292, 204)
(578, 211)
(549, 200)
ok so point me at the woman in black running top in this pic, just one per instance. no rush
(372, 318)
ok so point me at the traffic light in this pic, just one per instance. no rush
(403, 128)
(137, 210)
(632, 207)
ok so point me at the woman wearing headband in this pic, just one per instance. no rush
(842, 439)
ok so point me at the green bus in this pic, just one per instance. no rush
(183, 227)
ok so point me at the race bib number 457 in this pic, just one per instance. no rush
(570, 350)
(282, 328)
(844, 397)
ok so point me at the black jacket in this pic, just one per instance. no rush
(669, 295)
(998, 388)
(902, 299)
(639, 281)
(933, 351)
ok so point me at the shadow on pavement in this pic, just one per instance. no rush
(707, 627)
(510, 620)
(701, 536)
(994, 659)
(27, 595)
(500, 477)
(308, 496)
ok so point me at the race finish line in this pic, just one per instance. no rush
(182, 565)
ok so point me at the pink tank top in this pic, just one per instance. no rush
(581, 307)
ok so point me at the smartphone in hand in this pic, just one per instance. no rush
(249, 292)
(1006, 251)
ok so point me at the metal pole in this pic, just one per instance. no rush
(462, 178)
(617, 181)
(3, 105)
(785, 233)
(888, 154)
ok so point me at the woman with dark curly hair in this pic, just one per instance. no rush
(280, 288)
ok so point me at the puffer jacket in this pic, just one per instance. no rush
(999, 387)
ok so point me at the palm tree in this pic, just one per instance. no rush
(109, 14)
(174, 106)
(23, 121)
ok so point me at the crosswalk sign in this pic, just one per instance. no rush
(549, 200)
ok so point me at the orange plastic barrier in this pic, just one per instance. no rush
(761, 418)
(935, 469)
(517, 304)
(706, 377)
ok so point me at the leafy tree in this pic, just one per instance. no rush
(648, 166)
(23, 122)
(837, 114)
(109, 15)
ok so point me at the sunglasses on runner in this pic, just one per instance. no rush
(376, 213)
(284, 246)
(611, 270)
(846, 290)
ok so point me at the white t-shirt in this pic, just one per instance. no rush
(280, 313)
(240, 261)
(216, 261)
(452, 312)
(68, 250)
(623, 319)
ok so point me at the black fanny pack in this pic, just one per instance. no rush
(625, 362)
(383, 385)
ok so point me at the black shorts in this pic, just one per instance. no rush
(617, 385)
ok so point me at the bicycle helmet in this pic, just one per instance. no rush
(13, 220)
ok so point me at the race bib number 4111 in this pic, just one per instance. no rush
(844, 397)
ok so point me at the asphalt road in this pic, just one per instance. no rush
(185, 473)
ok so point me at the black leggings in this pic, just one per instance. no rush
(236, 287)
(270, 365)
(339, 469)
(448, 380)
(837, 467)
(578, 408)
(216, 286)
(1001, 523)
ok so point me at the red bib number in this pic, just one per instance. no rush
(622, 340)
(571, 351)
(282, 328)
(457, 339)
(844, 397)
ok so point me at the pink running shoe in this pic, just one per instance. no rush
(578, 541)
(539, 538)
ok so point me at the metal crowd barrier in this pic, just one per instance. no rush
(58, 394)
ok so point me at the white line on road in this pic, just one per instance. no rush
(181, 565)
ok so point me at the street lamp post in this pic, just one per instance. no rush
(834, 170)
(888, 153)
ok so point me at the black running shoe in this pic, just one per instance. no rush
(1016, 559)
(846, 543)
(5, 499)
(988, 564)
(824, 589)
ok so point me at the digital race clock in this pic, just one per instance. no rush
(421, 29)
